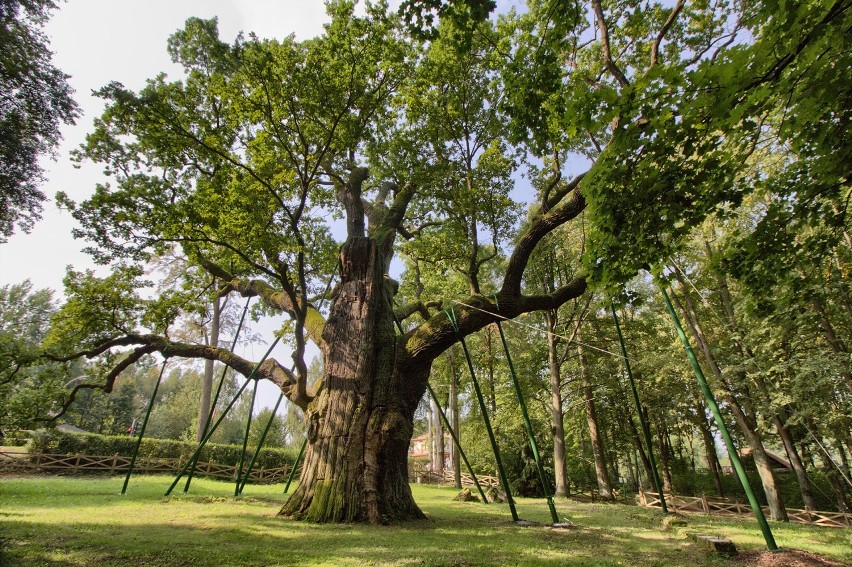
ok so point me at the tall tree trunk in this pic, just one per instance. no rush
(557, 428)
(437, 456)
(796, 462)
(744, 417)
(778, 414)
(665, 453)
(595, 436)
(640, 449)
(454, 416)
(492, 394)
(710, 450)
(207, 378)
(360, 424)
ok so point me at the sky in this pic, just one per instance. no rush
(98, 41)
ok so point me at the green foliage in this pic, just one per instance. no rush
(36, 100)
(29, 385)
(96, 309)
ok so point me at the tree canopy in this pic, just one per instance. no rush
(35, 99)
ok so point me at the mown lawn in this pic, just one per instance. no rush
(86, 522)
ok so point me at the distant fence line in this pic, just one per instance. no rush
(720, 507)
(11, 461)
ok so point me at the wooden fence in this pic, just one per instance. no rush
(417, 472)
(721, 507)
(21, 462)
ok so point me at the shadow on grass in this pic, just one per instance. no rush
(86, 523)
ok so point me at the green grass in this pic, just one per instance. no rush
(85, 521)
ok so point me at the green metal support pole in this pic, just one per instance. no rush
(545, 482)
(216, 396)
(714, 408)
(646, 429)
(260, 442)
(458, 444)
(239, 470)
(500, 470)
(210, 433)
(295, 465)
(142, 430)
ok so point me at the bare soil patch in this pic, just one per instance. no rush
(792, 558)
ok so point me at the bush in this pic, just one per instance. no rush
(67, 443)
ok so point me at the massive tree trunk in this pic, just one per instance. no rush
(360, 415)
(360, 424)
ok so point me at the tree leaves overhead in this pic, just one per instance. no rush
(237, 159)
(667, 102)
(35, 99)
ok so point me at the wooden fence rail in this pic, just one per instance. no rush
(719, 507)
(417, 472)
(11, 461)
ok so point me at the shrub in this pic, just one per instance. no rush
(68, 443)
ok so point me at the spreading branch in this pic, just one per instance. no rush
(313, 320)
(655, 48)
(290, 384)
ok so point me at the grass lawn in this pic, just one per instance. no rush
(85, 521)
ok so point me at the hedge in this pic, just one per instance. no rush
(68, 443)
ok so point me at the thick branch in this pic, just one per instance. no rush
(392, 222)
(314, 321)
(655, 49)
(438, 334)
(541, 225)
(109, 381)
(350, 196)
(403, 312)
(270, 369)
(605, 48)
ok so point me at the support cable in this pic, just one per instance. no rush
(212, 430)
(720, 424)
(142, 428)
(646, 429)
(501, 471)
(545, 482)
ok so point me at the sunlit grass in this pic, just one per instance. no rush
(86, 522)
